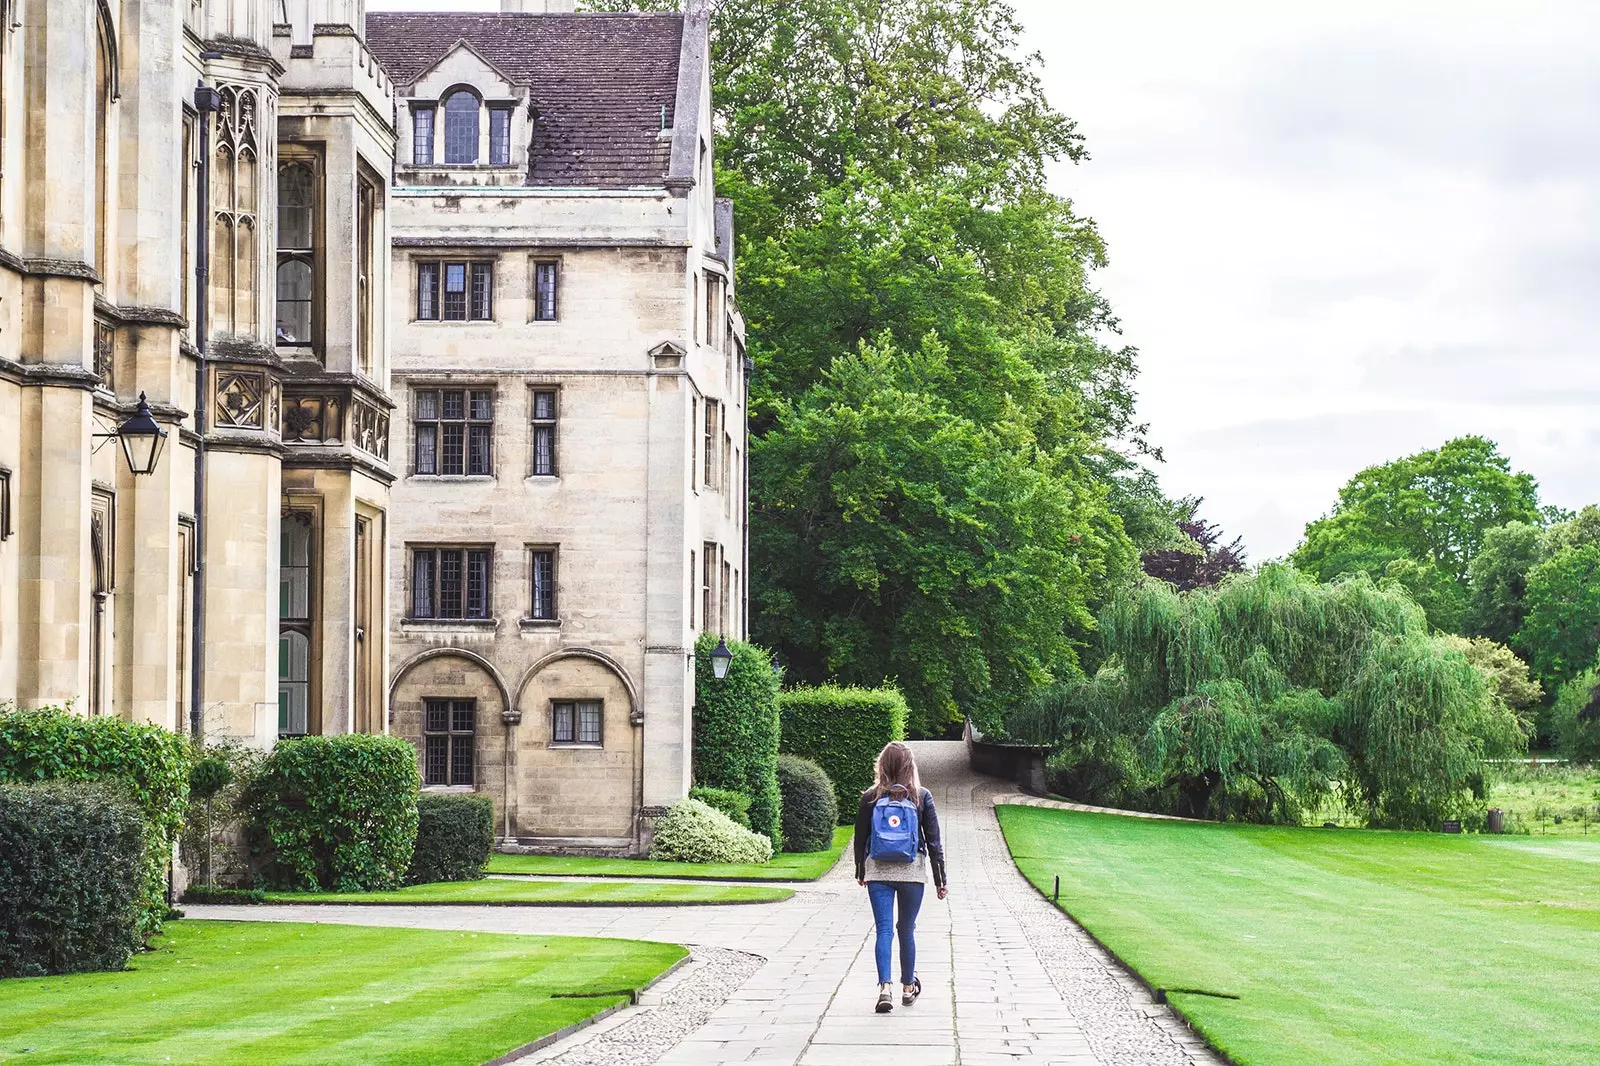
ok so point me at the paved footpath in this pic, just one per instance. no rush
(1007, 978)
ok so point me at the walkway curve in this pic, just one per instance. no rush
(1007, 977)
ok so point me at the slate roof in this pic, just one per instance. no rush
(598, 82)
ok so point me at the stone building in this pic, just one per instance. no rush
(570, 381)
(119, 180)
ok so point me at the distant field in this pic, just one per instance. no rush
(287, 994)
(786, 866)
(1532, 794)
(1343, 946)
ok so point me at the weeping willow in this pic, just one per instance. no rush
(1263, 697)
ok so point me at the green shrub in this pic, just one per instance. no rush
(212, 894)
(72, 878)
(810, 808)
(729, 801)
(842, 730)
(334, 814)
(736, 730)
(1576, 717)
(454, 837)
(151, 763)
(216, 784)
(691, 831)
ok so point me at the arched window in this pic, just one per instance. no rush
(294, 624)
(461, 127)
(297, 217)
(102, 162)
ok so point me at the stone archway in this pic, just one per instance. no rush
(451, 679)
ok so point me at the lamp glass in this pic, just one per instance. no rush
(141, 438)
(721, 657)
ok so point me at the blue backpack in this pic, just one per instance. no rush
(896, 836)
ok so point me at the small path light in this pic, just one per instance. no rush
(720, 658)
(141, 438)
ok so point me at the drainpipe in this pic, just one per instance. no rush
(206, 101)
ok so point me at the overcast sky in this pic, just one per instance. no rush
(1340, 232)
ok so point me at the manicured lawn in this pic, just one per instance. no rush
(495, 890)
(276, 994)
(1343, 946)
(787, 866)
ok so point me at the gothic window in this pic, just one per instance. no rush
(447, 737)
(450, 583)
(294, 623)
(297, 269)
(455, 431)
(366, 273)
(422, 136)
(102, 533)
(235, 213)
(708, 586)
(709, 473)
(543, 607)
(461, 127)
(455, 292)
(544, 433)
(102, 150)
(500, 136)
(544, 290)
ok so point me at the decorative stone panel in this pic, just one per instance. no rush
(241, 399)
(369, 428)
(313, 418)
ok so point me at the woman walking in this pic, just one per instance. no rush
(897, 839)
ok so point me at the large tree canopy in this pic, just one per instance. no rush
(1433, 507)
(946, 443)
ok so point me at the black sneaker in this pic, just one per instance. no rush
(911, 992)
(885, 999)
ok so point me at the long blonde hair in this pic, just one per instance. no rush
(897, 766)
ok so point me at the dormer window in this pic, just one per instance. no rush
(422, 136)
(500, 136)
(461, 127)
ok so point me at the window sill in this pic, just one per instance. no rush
(563, 745)
(449, 790)
(437, 624)
(453, 321)
(543, 477)
(451, 478)
(535, 624)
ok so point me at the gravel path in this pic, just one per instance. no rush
(1007, 977)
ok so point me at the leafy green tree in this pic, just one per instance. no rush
(1260, 697)
(1509, 680)
(1440, 596)
(1562, 630)
(1497, 580)
(904, 539)
(1577, 717)
(1433, 507)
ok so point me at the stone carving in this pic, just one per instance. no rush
(369, 428)
(105, 351)
(240, 399)
(313, 419)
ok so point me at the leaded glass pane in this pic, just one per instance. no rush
(461, 128)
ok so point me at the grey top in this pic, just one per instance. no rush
(931, 846)
(896, 871)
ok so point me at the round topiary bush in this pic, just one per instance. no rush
(691, 831)
(729, 801)
(810, 808)
(454, 837)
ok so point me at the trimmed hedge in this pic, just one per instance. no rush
(334, 814)
(150, 763)
(810, 808)
(72, 878)
(729, 801)
(455, 834)
(691, 831)
(736, 730)
(842, 729)
(212, 894)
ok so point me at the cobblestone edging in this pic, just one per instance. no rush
(1123, 1022)
(676, 1008)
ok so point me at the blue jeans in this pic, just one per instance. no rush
(883, 895)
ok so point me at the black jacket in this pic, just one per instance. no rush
(927, 822)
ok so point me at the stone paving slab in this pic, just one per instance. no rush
(1007, 978)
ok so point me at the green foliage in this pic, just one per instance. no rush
(53, 743)
(1562, 629)
(842, 729)
(335, 813)
(196, 894)
(736, 730)
(1507, 676)
(810, 808)
(1442, 598)
(1255, 700)
(691, 831)
(209, 775)
(1577, 717)
(72, 877)
(1433, 507)
(733, 803)
(1497, 580)
(940, 475)
(216, 784)
(454, 837)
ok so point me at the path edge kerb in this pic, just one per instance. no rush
(1157, 994)
(524, 903)
(561, 1034)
